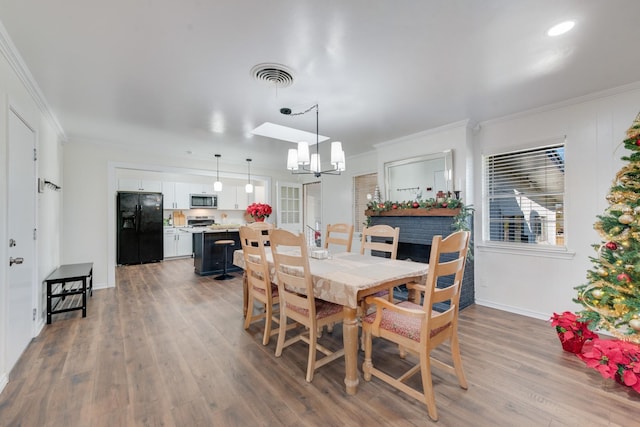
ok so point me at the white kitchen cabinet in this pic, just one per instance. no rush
(184, 243)
(175, 195)
(177, 243)
(169, 242)
(202, 188)
(182, 195)
(128, 184)
(233, 198)
(168, 195)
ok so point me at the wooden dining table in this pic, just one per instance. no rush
(346, 279)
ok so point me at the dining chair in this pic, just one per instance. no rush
(380, 238)
(419, 328)
(265, 229)
(297, 302)
(344, 236)
(258, 281)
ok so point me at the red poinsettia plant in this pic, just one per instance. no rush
(571, 329)
(615, 359)
(259, 210)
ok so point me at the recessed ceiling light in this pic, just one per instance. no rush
(561, 28)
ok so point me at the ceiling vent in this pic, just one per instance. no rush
(274, 74)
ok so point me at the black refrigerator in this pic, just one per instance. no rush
(140, 228)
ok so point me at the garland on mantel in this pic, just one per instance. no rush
(448, 203)
(461, 221)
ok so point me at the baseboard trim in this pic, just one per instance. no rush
(511, 309)
(4, 380)
(102, 286)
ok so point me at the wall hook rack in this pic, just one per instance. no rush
(42, 183)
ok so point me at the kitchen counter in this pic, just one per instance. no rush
(216, 228)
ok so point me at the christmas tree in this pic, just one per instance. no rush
(612, 297)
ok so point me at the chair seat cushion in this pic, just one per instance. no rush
(323, 309)
(274, 290)
(400, 324)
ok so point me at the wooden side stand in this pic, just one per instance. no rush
(69, 295)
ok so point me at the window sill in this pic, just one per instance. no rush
(528, 250)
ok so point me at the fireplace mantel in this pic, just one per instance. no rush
(415, 212)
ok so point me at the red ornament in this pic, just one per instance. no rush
(416, 204)
(444, 205)
(638, 141)
(623, 277)
(612, 246)
(394, 206)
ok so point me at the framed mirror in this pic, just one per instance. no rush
(419, 178)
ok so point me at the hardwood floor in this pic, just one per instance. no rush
(167, 347)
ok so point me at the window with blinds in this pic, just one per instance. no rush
(524, 196)
(363, 185)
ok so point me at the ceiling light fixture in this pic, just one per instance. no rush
(249, 187)
(561, 28)
(217, 186)
(299, 162)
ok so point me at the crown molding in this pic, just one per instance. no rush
(10, 52)
(565, 103)
(456, 125)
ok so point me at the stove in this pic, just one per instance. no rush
(200, 221)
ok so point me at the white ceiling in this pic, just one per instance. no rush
(175, 75)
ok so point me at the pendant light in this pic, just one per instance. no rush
(217, 186)
(300, 161)
(249, 187)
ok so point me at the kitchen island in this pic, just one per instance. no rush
(208, 257)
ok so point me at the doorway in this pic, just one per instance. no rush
(312, 196)
(21, 178)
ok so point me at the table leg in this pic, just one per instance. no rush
(414, 296)
(350, 337)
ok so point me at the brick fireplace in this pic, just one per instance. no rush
(417, 228)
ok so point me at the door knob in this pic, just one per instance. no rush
(12, 261)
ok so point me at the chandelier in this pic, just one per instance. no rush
(299, 162)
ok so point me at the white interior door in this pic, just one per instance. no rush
(21, 225)
(289, 206)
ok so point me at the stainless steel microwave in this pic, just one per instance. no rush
(203, 201)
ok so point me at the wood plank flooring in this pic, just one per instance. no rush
(167, 347)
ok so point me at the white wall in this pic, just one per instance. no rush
(531, 283)
(90, 191)
(537, 284)
(49, 248)
(451, 137)
(337, 192)
(48, 217)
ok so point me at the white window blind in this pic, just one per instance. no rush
(524, 196)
